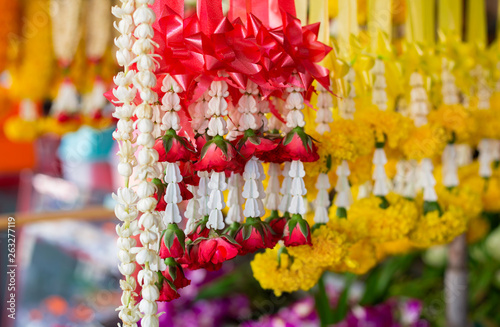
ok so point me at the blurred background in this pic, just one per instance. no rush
(57, 173)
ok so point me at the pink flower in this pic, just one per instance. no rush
(172, 243)
(173, 148)
(297, 145)
(218, 155)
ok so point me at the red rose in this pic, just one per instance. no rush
(217, 250)
(185, 193)
(191, 261)
(253, 235)
(274, 156)
(175, 274)
(217, 154)
(277, 224)
(173, 148)
(253, 145)
(172, 243)
(161, 205)
(297, 232)
(189, 174)
(200, 230)
(168, 292)
(297, 145)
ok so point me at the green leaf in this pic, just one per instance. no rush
(430, 206)
(304, 227)
(341, 212)
(384, 204)
(246, 232)
(340, 312)
(169, 238)
(322, 303)
(288, 137)
(205, 149)
(172, 271)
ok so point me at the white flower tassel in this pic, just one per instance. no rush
(344, 196)
(95, 100)
(203, 193)
(286, 185)
(144, 81)
(486, 147)
(347, 107)
(324, 114)
(298, 188)
(449, 88)
(419, 103)
(27, 110)
(171, 104)
(217, 186)
(273, 198)
(217, 109)
(379, 94)
(485, 158)
(253, 190)
(450, 167)
(248, 108)
(426, 180)
(399, 179)
(322, 202)
(381, 186)
(235, 199)
(410, 188)
(66, 100)
(199, 114)
(172, 195)
(126, 198)
(192, 210)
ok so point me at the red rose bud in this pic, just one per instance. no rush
(253, 235)
(168, 291)
(189, 174)
(277, 224)
(200, 230)
(173, 148)
(217, 250)
(297, 145)
(297, 232)
(251, 144)
(175, 274)
(274, 156)
(172, 243)
(191, 261)
(217, 154)
(161, 205)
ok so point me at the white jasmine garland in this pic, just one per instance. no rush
(273, 198)
(322, 202)
(286, 196)
(253, 190)
(347, 107)
(324, 114)
(235, 199)
(381, 186)
(144, 80)
(419, 102)
(126, 198)
(379, 94)
(426, 180)
(343, 199)
(217, 186)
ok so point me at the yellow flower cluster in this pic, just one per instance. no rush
(457, 121)
(19, 130)
(383, 225)
(281, 272)
(329, 247)
(434, 229)
(387, 126)
(427, 141)
(348, 140)
(477, 229)
(488, 122)
(463, 197)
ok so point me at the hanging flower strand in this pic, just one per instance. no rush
(126, 207)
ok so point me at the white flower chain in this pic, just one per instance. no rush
(144, 80)
(217, 110)
(426, 180)
(419, 102)
(379, 94)
(324, 114)
(343, 198)
(126, 198)
(322, 202)
(192, 210)
(273, 198)
(235, 199)
(347, 106)
(253, 190)
(449, 89)
(199, 114)
(381, 185)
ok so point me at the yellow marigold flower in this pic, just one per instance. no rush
(388, 126)
(433, 229)
(19, 130)
(489, 189)
(488, 122)
(283, 273)
(361, 170)
(456, 121)
(398, 247)
(348, 140)
(329, 247)
(360, 259)
(50, 125)
(477, 229)
(463, 197)
(425, 142)
(383, 225)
